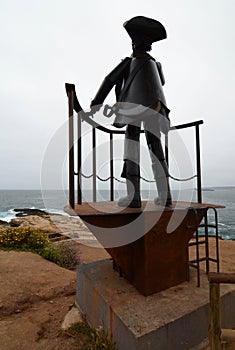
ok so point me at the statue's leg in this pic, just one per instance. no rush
(159, 166)
(131, 169)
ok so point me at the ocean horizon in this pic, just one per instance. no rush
(53, 201)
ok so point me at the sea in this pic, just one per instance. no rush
(54, 201)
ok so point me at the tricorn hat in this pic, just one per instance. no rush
(141, 26)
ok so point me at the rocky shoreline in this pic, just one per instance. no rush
(42, 219)
(28, 211)
(70, 227)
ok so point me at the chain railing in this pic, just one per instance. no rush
(73, 105)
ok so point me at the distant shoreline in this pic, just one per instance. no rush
(213, 188)
(89, 189)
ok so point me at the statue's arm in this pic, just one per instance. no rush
(110, 80)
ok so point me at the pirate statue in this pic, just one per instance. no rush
(138, 82)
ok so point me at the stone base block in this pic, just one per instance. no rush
(176, 318)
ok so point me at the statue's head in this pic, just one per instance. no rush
(144, 31)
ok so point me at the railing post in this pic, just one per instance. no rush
(199, 183)
(215, 279)
(166, 149)
(94, 162)
(71, 148)
(207, 241)
(111, 168)
(79, 159)
(217, 241)
(214, 329)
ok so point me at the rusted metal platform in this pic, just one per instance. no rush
(148, 245)
(109, 208)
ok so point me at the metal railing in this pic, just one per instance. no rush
(73, 105)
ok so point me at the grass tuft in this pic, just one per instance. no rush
(98, 338)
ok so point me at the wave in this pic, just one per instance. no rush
(7, 216)
(224, 225)
(10, 214)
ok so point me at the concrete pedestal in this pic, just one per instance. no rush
(176, 318)
(148, 244)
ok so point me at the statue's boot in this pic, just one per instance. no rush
(133, 199)
(161, 176)
(163, 200)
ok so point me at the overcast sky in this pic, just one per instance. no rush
(47, 43)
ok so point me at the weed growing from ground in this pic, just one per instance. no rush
(98, 338)
(63, 254)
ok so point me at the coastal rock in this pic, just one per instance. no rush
(73, 316)
(52, 223)
(14, 223)
(3, 223)
(28, 211)
(39, 222)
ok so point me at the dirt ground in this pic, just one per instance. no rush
(35, 296)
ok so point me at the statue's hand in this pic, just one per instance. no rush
(95, 108)
(108, 111)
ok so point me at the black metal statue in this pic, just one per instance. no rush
(138, 82)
